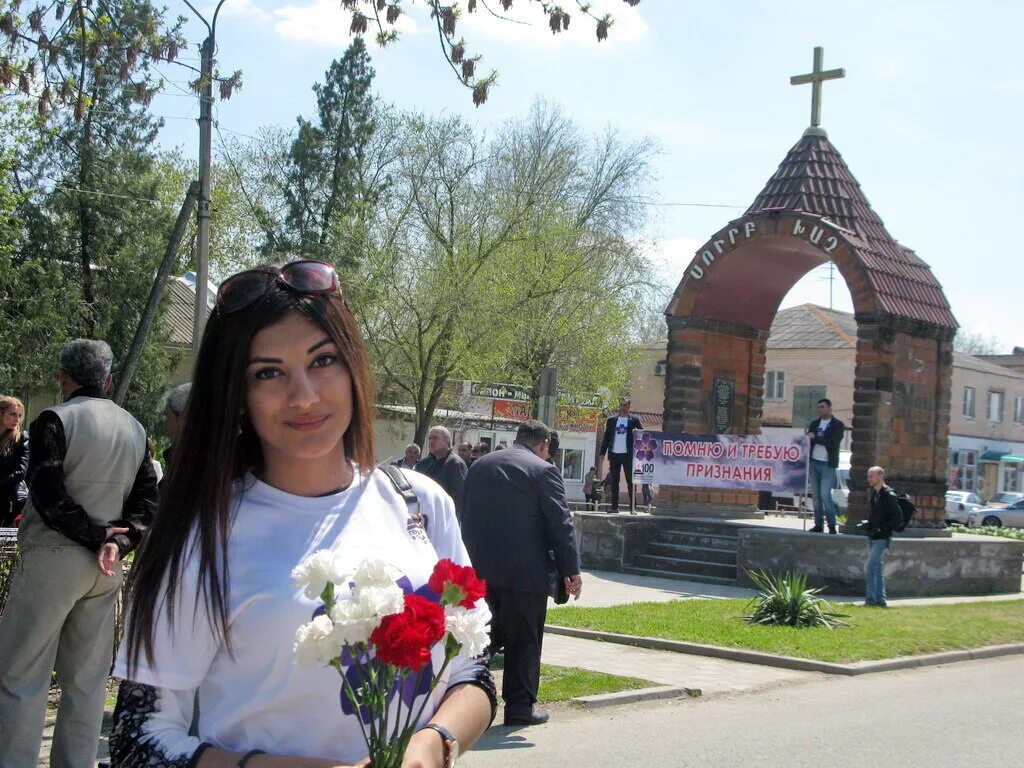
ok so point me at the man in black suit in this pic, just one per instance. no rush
(618, 444)
(514, 513)
(826, 433)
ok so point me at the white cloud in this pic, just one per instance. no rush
(238, 9)
(324, 22)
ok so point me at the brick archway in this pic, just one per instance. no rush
(722, 310)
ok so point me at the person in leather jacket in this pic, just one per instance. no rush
(13, 460)
(884, 510)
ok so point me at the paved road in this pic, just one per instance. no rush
(958, 716)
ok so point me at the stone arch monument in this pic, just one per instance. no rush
(812, 211)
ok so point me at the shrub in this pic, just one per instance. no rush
(784, 600)
(990, 530)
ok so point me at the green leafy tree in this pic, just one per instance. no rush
(492, 260)
(574, 275)
(98, 211)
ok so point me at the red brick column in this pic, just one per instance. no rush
(698, 352)
(902, 391)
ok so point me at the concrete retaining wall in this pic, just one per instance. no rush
(914, 567)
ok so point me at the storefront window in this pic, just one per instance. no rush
(570, 461)
(963, 467)
(1011, 477)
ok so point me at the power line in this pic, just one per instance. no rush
(239, 133)
(693, 205)
(106, 194)
(241, 184)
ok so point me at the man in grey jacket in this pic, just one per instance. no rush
(514, 514)
(92, 495)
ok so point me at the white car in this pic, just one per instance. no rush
(959, 504)
(841, 491)
(1011, 516)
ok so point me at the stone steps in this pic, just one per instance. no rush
(698, 549)
(726, 556)
(674, 575)
(699, 540)
(686, 568)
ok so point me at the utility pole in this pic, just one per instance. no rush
(124, 378)
(547, 395)
(203, 208)
(207, 53)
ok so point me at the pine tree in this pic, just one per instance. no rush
(327, 199)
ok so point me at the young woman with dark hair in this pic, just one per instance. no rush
(275, 461)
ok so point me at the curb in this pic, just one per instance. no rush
(790, 662)
(632, 697)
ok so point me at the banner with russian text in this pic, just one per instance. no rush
(741, 462)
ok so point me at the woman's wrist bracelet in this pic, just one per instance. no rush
(245, 758)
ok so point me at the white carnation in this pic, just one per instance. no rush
(380, 600)
(314, 642)
(313, 573)
(469, 628)
(374, 572)
(354, 622)
(355, 618)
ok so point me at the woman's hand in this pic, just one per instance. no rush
(425, 750)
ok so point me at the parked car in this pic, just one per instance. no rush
(841, 492)
(959, 504)
(1003, 499)
(1010, 516)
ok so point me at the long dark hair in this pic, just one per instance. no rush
(217, 446)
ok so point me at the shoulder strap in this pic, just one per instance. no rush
(404, 488)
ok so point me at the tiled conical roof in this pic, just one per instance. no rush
(814, 179)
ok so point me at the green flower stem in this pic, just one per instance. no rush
(350, 693)
(433, 686)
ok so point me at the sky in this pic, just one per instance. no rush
(928, 117)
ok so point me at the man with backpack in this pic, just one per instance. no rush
(885, 518)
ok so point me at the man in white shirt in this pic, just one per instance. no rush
(618, 444)
(826, 434)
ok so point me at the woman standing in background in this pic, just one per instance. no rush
(13, 460)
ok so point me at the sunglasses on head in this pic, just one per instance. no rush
(244, 289)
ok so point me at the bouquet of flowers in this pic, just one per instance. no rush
(380, 638)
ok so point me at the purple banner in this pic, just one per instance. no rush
(743, 462)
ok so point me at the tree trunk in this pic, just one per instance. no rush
(86, 224)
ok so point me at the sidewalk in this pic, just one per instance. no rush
(605, 588)
(712, 676)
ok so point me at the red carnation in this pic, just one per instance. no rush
(405, 639)
(456, 584)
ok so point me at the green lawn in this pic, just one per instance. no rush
(875, 634)
(563, 683)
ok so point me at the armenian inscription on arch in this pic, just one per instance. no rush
(817, 233)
